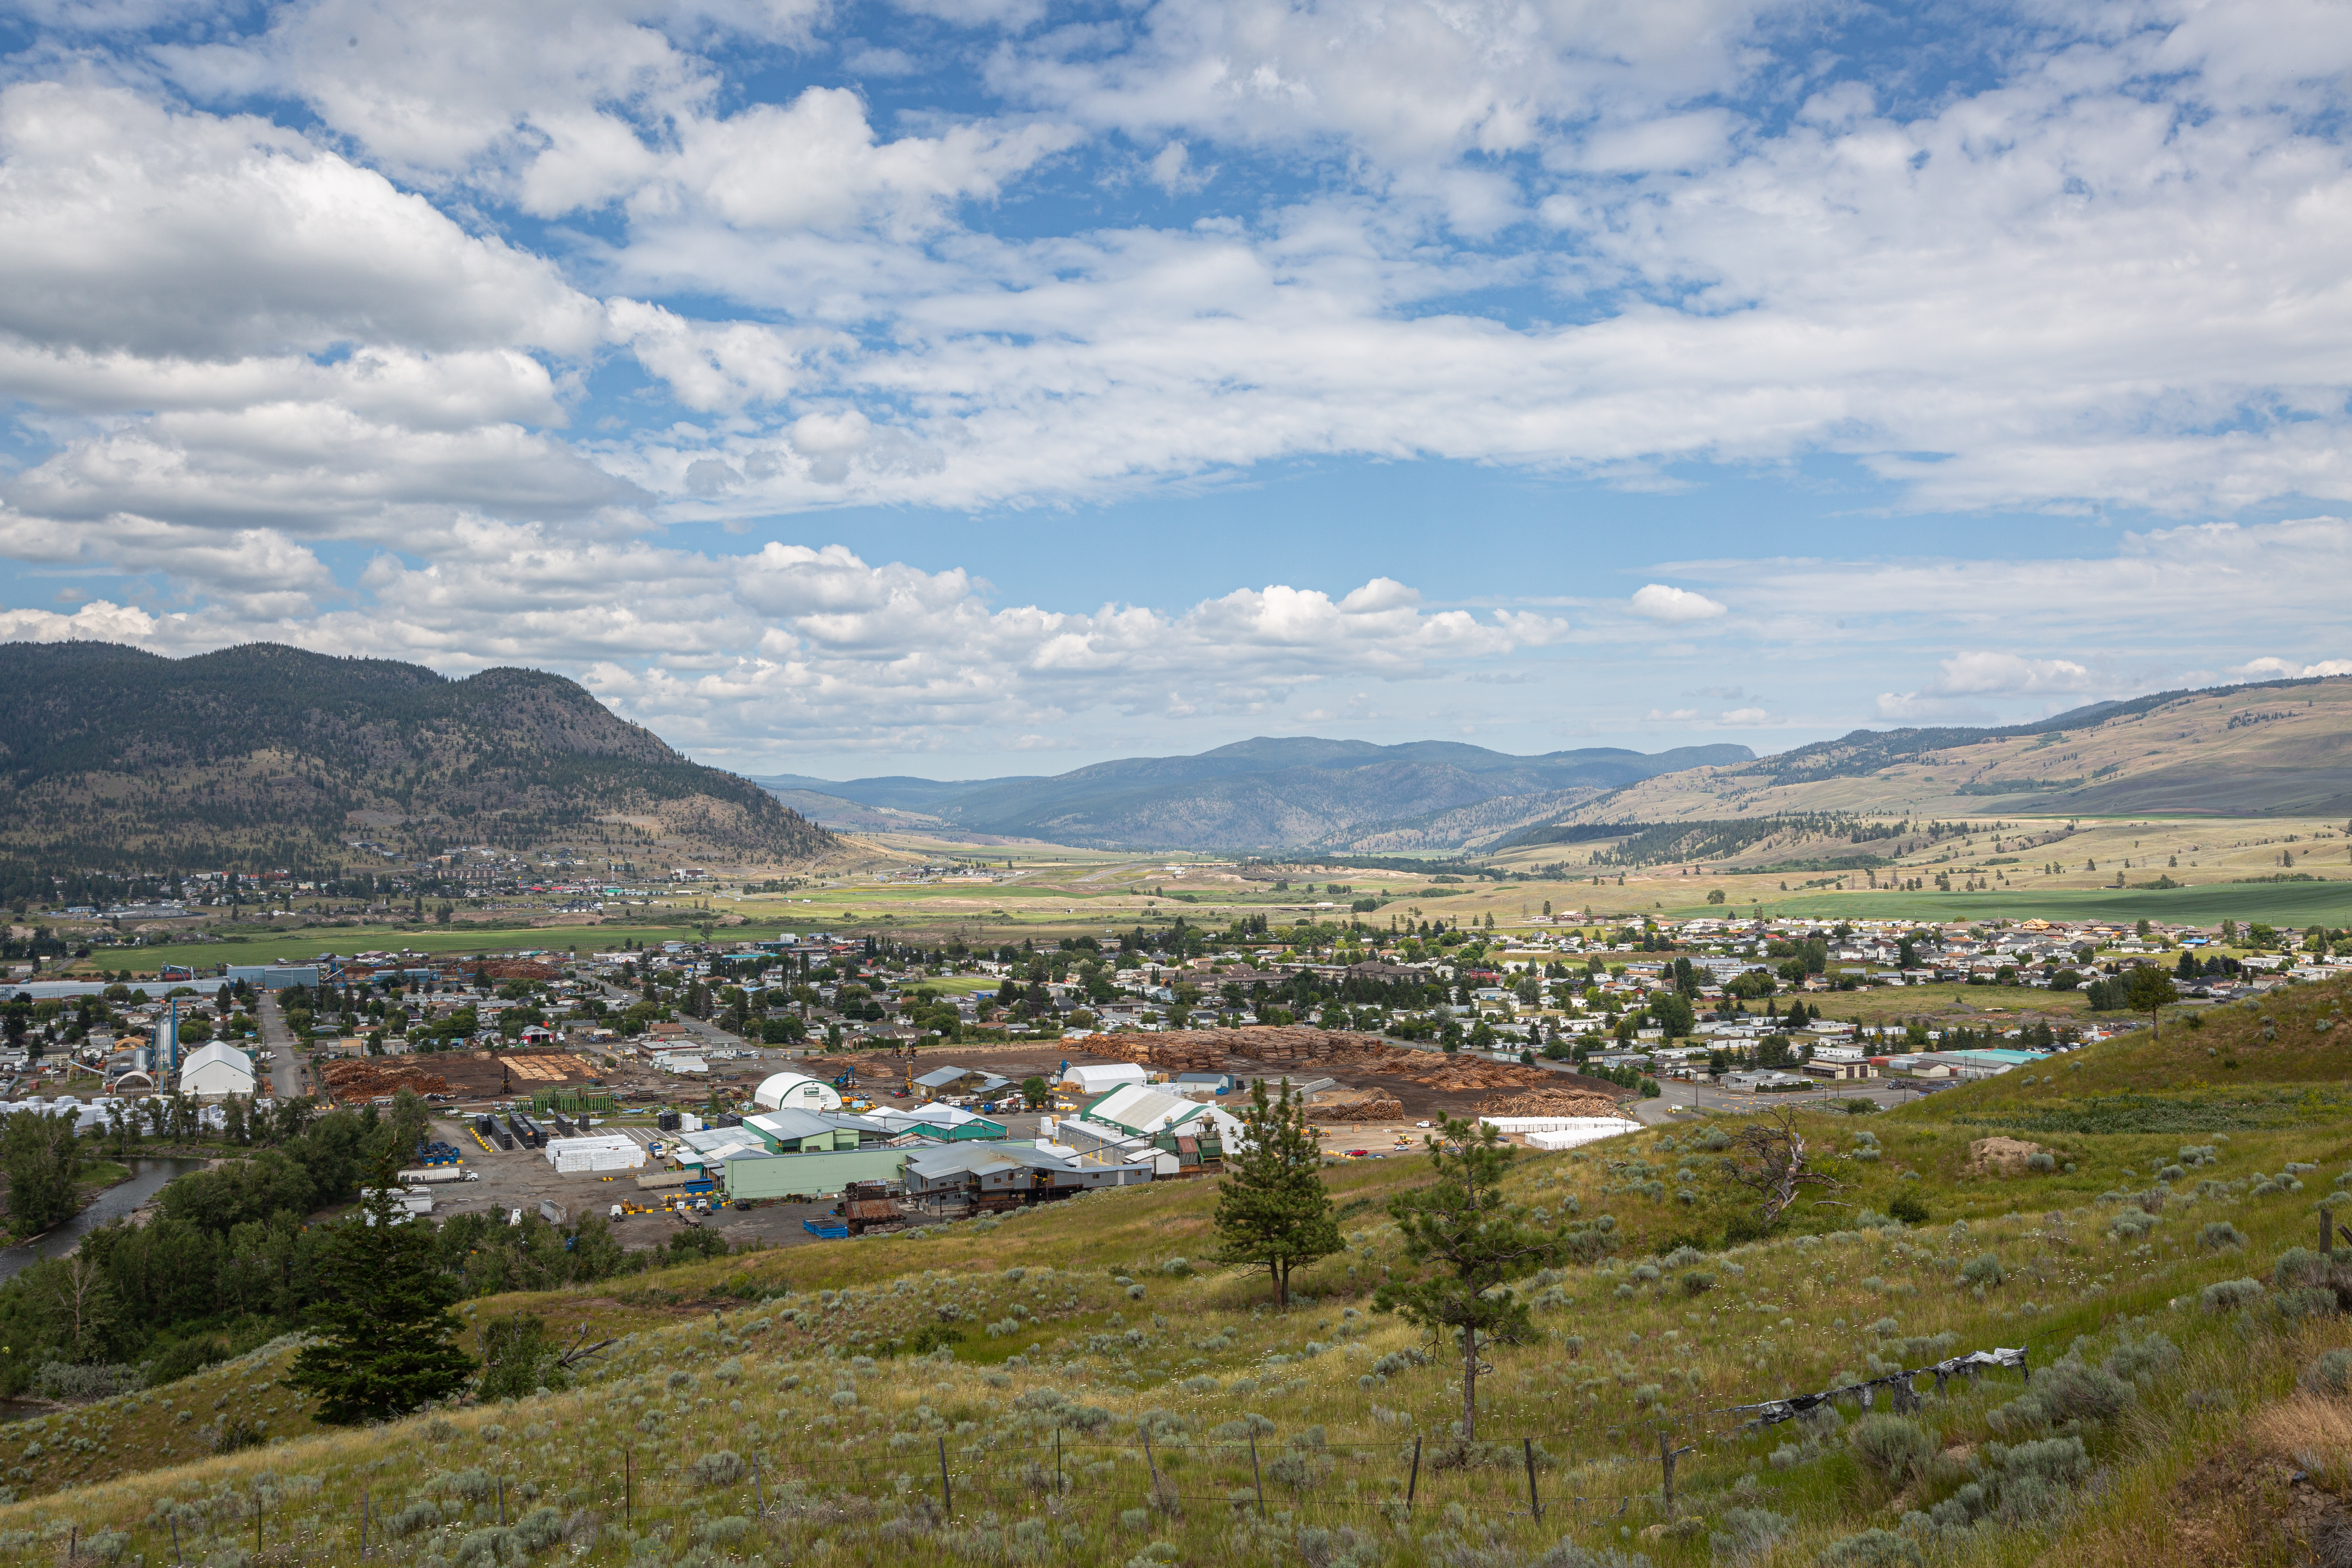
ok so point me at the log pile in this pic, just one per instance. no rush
(520, 969)
(1547, 1102)
(1328, 1050)
(366, 1077)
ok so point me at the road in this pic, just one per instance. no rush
(1676, 1095)
(288, 1076)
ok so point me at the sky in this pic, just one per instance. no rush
(963, 387)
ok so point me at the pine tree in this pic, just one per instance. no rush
(1472, 1245)
(388, 1342)
(1273, 1210)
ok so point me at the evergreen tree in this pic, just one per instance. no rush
(1471, 1244)
(1273, 1211)
(388, 1342)
(2148, 990)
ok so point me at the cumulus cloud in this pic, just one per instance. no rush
(1983, 674)
(2274, 669)
(1658, 601)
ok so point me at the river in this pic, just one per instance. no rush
(147, 1179)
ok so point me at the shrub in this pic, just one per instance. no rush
(2306, 1302)
(1909, 1208)
(2220, 1235)
(2042, 1161)
(2066, 1390)
(1872, 1549)
(2330, 1374)
(1984, 1269)
(2298, 1266)
(1698, 1282)
(722, 1468)
(2138, 1361)
(1746, 1533)
(2229, 1295)
(2036, 1478)
(1890, 1446)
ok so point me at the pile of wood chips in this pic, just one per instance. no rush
(1361, 1105)
(521, 969)
(1547, 1102)
(1214, 1050)
(365, 1078)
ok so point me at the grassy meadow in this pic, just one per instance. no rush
(1094, 1387)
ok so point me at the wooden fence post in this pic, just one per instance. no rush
(947, 1487)
(758, 1493)
(1258, 1477)
(628, 1485)
(1412, 1481)
(1535, 1504)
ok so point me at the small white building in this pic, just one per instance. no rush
(796, 1091)
(215, 1071)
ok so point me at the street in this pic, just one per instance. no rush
(289, 1074)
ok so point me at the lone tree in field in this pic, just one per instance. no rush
(1770, 1158)
(2149, 990)
(1273, 1210)
(1470, 1245)
(388, 1342)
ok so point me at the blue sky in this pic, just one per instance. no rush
(969, 387)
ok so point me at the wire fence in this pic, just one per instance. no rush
(1582, 1477)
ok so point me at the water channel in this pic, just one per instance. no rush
(147, 1179)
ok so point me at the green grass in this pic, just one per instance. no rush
(302, 946)
(2297, 904)
(745, 1355)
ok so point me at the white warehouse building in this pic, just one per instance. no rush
(796, 1091)
(215, 1071)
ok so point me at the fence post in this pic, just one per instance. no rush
(1150, 1466)
(1057, 1466)
(2327, 1234)
(947, 1487)
(1535, 1504)
(502, 1502)
(758, 1493)
(1667, 1454)
(256, 1519)
(73, 1543)
(628, 1485)
(1412, 1481)
(1257, 1476)
(175, 1537)
(363, 1524)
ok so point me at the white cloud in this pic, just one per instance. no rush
(1745, 716)
(1984, 674)
(1660, 602)
(196, 237)
(2273, 668)
(101, 620)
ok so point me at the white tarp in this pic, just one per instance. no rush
(1592, 1129)
(599, 1152)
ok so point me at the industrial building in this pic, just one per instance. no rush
(216, 1071)
(796, 1091)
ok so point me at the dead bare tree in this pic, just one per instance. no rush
(1770, 1158)
(580, 1350)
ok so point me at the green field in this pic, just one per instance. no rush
(302, 946)
(2295, 904)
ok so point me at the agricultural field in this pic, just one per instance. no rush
(1078, 1384)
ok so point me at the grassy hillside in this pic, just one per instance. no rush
(2163, 1423)
(111, 758)
(2241, 751)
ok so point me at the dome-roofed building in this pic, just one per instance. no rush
(796, 1091)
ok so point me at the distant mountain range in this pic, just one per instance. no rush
(2264, 748)
(112, 758)
(1261, 794)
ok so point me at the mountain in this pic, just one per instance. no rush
(114, 758)
(2266, 748)
(1259, 794)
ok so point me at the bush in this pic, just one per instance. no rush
(722, 1468)
(2229, 1295)
(2330, 1374)
(2042, 1161)
(1746, 1533)
(2036, 1478)
(2220, 1235)
(1908, 1208)
(2299, 1266)
(1890, 1446)
(1984, 1269)
(63, 1381)
(2066, 1390)
(1872, 1549)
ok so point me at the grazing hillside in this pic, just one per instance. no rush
(2281, 748)
(1073, 1384)
(1271, 793)
(111, 757)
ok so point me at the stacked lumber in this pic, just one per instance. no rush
(1547, 1102)
(365, 1078)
